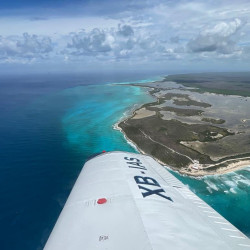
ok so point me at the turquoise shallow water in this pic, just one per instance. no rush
(50, 125)
(89, 124)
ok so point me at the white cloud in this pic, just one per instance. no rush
(122, 42)
(180, 30)
(96, 41)
(102, 41)
(221, 38)
(33, 44)
(125, 30)
(223, 29)
(24, 48)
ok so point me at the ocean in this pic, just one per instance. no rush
(51, 124)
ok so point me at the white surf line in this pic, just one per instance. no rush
(236, 159)
(147, 136)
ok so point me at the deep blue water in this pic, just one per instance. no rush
(50, 125)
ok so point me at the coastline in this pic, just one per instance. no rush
(231, 167)
(237, 164)
(130, 113)
(133, 144)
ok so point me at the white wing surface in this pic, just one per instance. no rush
(127, 201)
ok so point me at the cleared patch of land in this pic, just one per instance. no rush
(195, 132)
(142, 113)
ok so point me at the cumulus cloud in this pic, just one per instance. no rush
(91, 42)
(220, 38)
(118, 43)
(7, 47)
(181, 30)
(24, 47)
(115, 41)
(125, 30)
(32, 44)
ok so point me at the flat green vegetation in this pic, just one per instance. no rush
(220, 83)
(212, 120)
(170, 133)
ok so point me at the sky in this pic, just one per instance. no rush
(86, 35)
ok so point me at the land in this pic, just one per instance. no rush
(198, 124)
(220, 83)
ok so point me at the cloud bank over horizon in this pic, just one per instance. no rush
(168, 34)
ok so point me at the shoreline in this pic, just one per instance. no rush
(130, 113)
(135, 146)
(231, 167)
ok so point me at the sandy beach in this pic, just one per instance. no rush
(231, 167)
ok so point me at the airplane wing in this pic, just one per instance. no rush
(127, 201)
